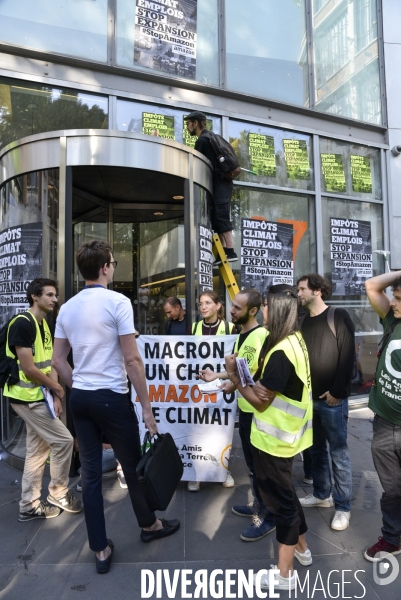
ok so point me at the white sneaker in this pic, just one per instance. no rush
(311, 500)
(229, 482)
(283, 583)
(193, 486)
(341, 520)
(305, 558)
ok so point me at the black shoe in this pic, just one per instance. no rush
(169, 527)
(42, 511)
(103, 566)
(67, 502)
(231, 255)
(218, 261)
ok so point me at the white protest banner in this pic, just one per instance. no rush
(201, 424)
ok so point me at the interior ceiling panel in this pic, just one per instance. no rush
(117, 184)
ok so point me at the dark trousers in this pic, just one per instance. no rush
(95, 412)
(244, 429)
(274, 477)
(386, 452)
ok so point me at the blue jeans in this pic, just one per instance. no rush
(330, 426)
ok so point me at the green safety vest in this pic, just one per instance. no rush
(285, 427)
(221, 330)
(27, 390)
(250, 350)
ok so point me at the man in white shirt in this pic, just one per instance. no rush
(98, 325)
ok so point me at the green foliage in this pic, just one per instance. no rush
(29, 113)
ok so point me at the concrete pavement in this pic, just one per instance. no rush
(48, 560)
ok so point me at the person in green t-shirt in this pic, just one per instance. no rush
(385, 401)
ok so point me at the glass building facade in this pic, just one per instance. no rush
(103, 85)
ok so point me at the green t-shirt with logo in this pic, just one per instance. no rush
(385, 396)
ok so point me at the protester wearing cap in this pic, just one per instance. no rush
(222, 188)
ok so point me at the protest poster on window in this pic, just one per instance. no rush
(351, 255)
(20, 262)
(201, 423)
(361, 174)
(262, 157)
(333, 172)
(158, 125)
(266, 253)
(206, 258)
(166, 36)
(296, 159)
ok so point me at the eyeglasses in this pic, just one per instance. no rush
(114, 263)
(201, 304)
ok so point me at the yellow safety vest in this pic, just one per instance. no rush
(285, 427)
(27, 390)
(250, 350)
(221, 330)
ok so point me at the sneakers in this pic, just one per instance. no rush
(229, 482)
(307, 480)
(305, 558)
(379, 550)
(68, 503)
(230, 256)
(341, 520)
(258, 529)
(247, 510)
(41, 511)
(281, 583)
(193, 486)
(311, 500)
(121, 479)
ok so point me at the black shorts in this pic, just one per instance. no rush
(221, 217)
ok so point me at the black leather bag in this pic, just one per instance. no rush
(159, 471)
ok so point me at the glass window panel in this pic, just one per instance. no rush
(276, 207)
(266, 49)
(346, 59)
(152, 53)
(161, 121)
(365, 319)
(368, 331)
(72, 27)
(29, 217)
(370, 169)
(29, 108)
(279, 157)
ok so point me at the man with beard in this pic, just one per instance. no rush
(249, 344)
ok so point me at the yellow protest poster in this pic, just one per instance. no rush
(361, 174)
(158, 125)
(261, 154)
(296, 159)
(333, 172)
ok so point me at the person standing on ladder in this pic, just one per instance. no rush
(222, 188)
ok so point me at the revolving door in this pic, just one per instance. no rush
(146, 196)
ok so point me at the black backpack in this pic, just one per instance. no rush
(9, 372)
(226, 159)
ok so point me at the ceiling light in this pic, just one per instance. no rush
(178, 197)
(158, 214)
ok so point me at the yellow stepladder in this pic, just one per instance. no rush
(225, 269)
